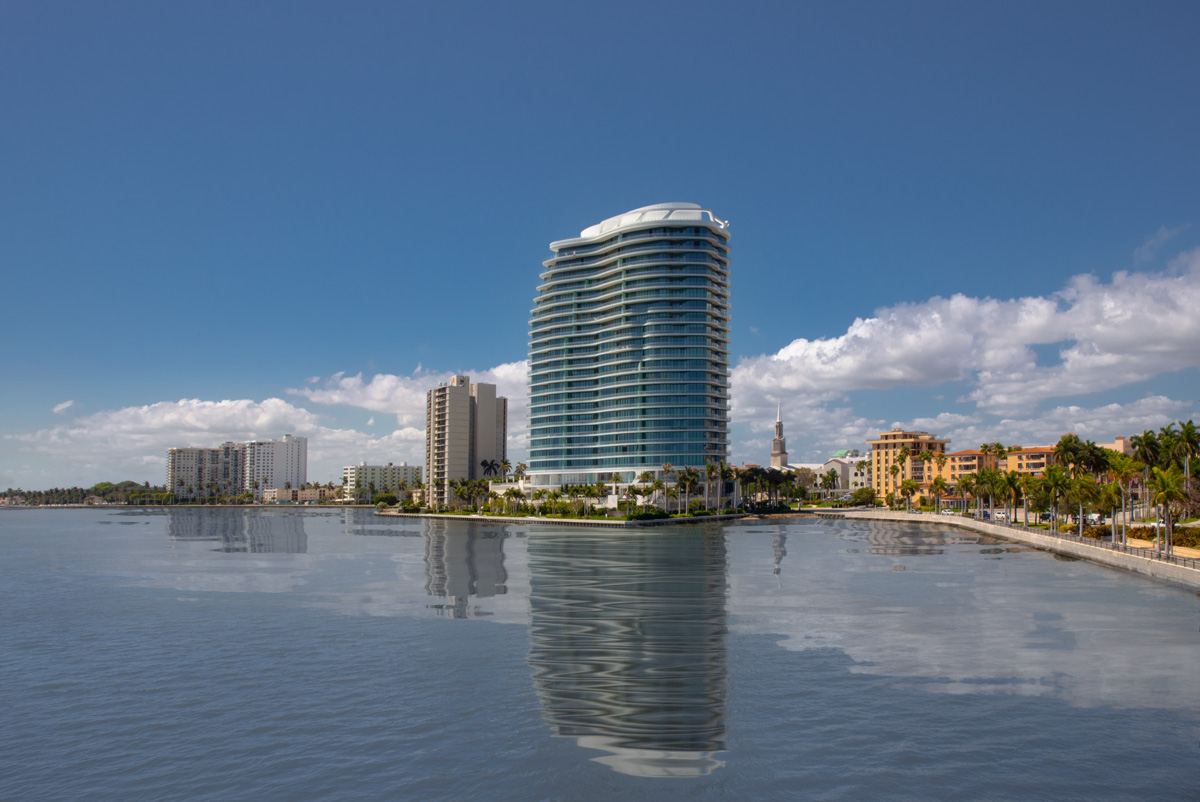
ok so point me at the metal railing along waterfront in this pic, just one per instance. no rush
(1121, 548)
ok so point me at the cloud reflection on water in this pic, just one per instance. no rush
(965, 613)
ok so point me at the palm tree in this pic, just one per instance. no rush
(1028, 483)
(925, 457)
(489, 467)
(725, 474)
(861, 466)
(520, 471)
(710, 472)
(594, 492)
(1056, 483)
(659, 488)
(1189, 446)
(829, 481)
(1068, 452)
(1011, 482)
(1146, 450)
(631, 495)
(1111, 497)
(1168, 492)
(966, 486)
(907, 488)
(938, 488)
(1124, 469)
(688, 479)
(988, 481)
(1083, 490)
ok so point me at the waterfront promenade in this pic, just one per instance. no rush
(1183, 568)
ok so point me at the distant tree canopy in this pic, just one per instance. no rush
(127, 492)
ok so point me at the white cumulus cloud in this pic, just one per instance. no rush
(1106, 335)
(131, 443)
(63, 407)
(404, 396)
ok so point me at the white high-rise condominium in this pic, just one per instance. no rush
(193, 471)
(276, 464)
(465, 425)
(629, 349)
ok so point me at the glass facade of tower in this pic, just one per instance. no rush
(629, 348)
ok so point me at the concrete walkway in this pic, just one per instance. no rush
(1130, 558)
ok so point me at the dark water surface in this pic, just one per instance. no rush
(321, 654)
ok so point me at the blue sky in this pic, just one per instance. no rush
(231, 220)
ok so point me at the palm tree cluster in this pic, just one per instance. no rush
(1085, 476)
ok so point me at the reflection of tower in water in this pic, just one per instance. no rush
(283, 533)
(461, 562)
(627, 644)
(886, 538)
(195, 523)
(249, 531)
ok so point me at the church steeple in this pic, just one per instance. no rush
(779, 444)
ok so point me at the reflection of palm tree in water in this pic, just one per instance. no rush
(627, 644)
(779, 547)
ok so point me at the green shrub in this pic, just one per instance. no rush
(648, 515)
(1188, 537)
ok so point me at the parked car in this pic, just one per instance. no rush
(1002, 516)
(949, 512)
(1095, 519)
(1044, 517)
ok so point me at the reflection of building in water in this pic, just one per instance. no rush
(196, 523)
(266, 533)
(461, 562)
(884, 537)
(627, 644)
(250, 531)
(779, 547)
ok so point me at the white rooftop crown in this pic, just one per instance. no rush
(674, 212)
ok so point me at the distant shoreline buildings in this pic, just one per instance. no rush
(253, 466)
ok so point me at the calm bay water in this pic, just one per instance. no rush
(319, 654)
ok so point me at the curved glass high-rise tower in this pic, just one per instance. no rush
(629, 349)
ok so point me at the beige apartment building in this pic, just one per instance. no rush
(886, 450)
(382, 477)
(1032, 460)
(465, 424)
(295, 495)
(961, 463)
